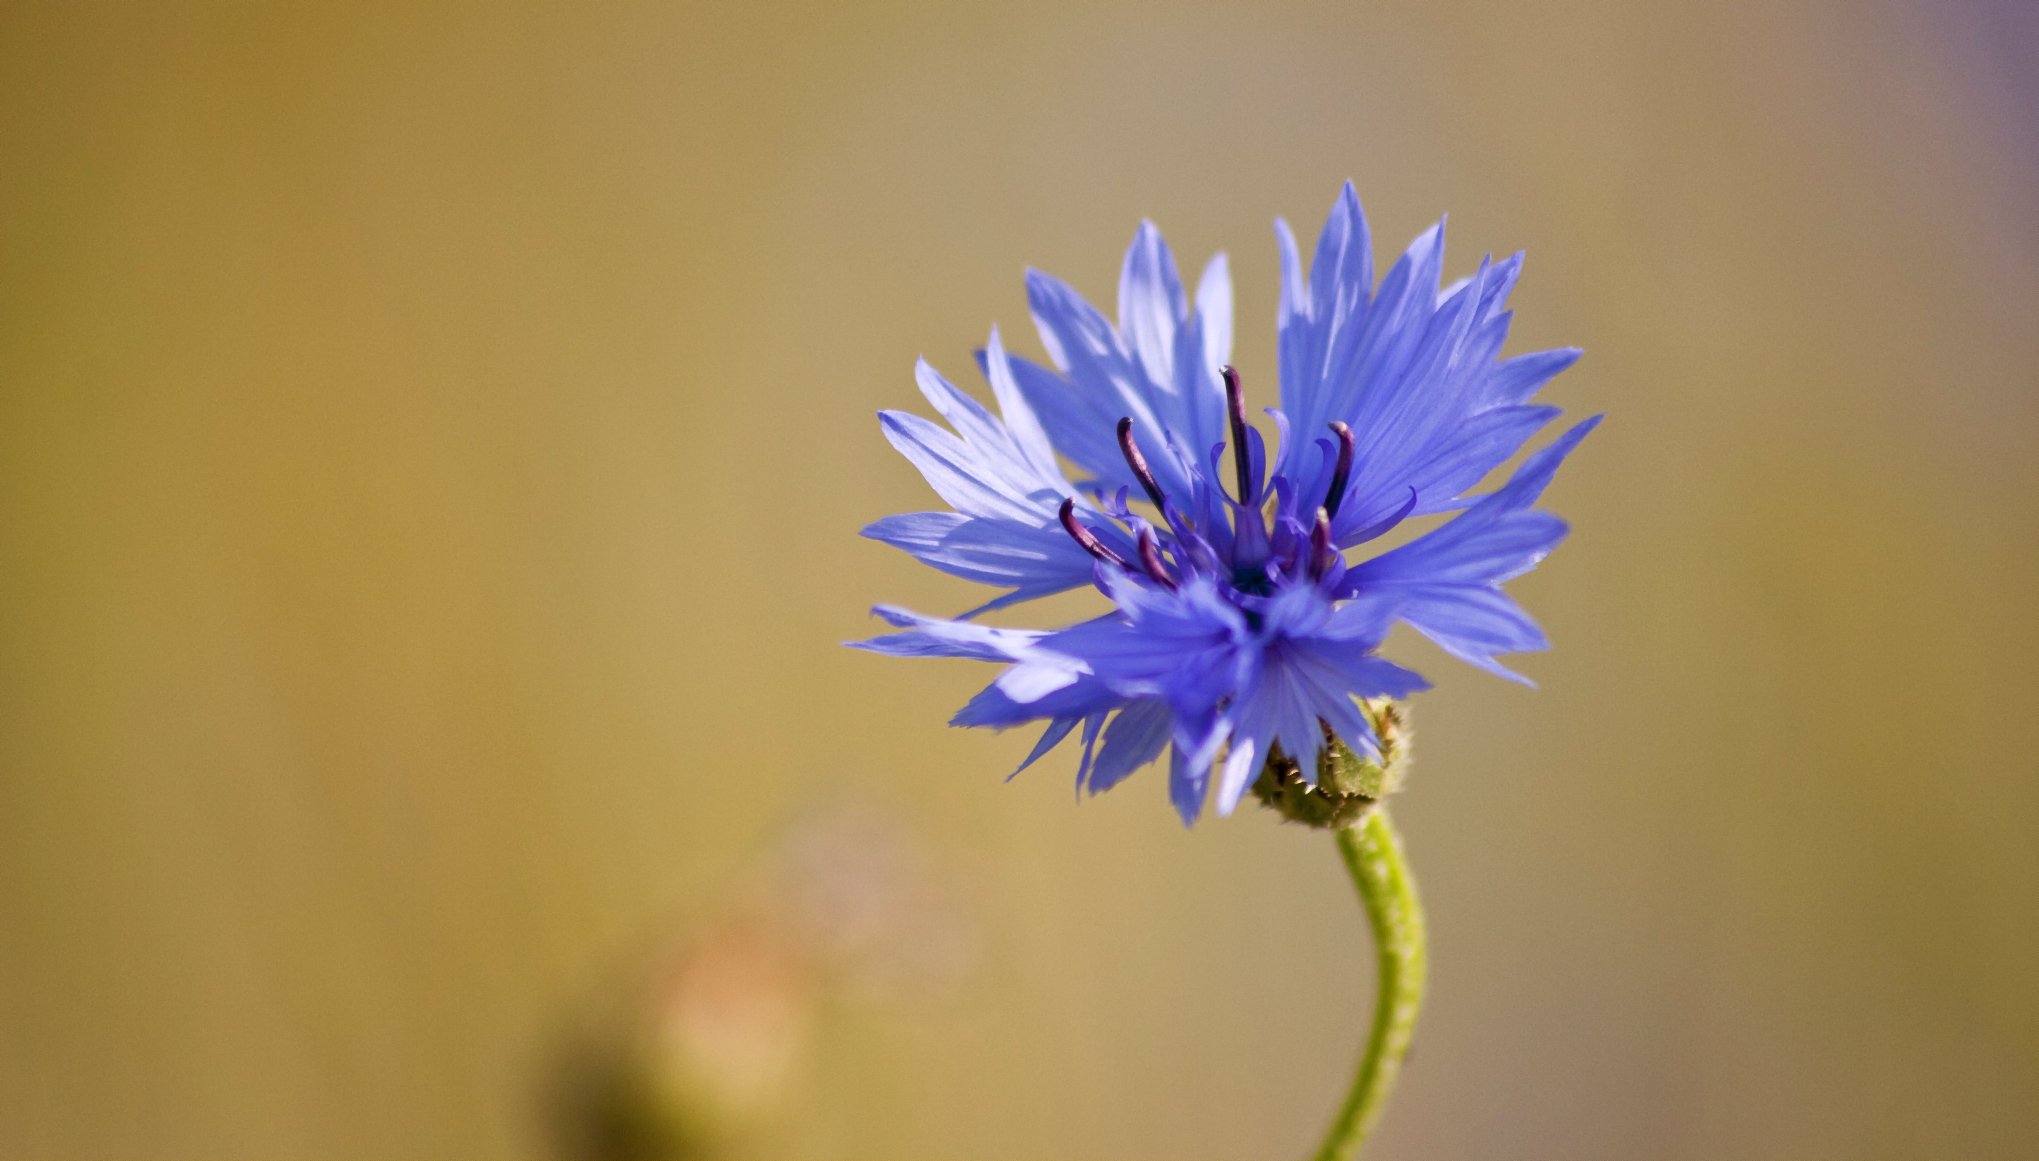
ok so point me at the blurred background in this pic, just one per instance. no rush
(432, 448)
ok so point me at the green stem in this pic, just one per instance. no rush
(1373, 855)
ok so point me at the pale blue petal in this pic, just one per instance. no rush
(1037, 561)
(1214, 313)
(1151, 303)
(935, 637)
(1080, 423)
(1242, 764)
(973, 482)
(1021, 421)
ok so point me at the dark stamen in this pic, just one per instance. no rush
(1088, 540)
(1322, 555)
(1235, 407)
(1342, 474)
(1150, 559)
(1138, 462)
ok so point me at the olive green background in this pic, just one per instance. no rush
(432, 448)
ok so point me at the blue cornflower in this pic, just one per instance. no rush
(1239, 630)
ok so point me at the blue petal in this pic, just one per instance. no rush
(1030, 681)
(934, 637)
(1495, 539)
(972, 481)
(1300, 370)
(1376, 353)
(1242, 764)
(1084, 346)
(1366, 674)
(990, 708)
(1500, 282)
(1091, 726)
(1409, 367)
(1033, 561)
(1081, 424)
(1484, 551)
(1134, 375)
(1024, 426)
(1529, 480)
(1292, 696)
(1051, 737)
(1001, 478)
(1341, 272)
(1214, 314)
(1134, 738)
(1332, 306)
(974, 424)
(1518, 379)
(1203, 344)
(1464, 457)
(1151, 302)
(1188, 781)
(1447, 578)
(1364, 619)
(1474, 623)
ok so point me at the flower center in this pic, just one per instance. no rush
(1255, 550)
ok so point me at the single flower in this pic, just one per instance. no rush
(1240, 631)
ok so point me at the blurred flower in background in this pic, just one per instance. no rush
(713, 1048)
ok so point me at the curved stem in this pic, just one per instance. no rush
(1373, 856)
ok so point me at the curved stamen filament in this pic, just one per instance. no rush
(1150, 559)
(1235, 410)
(1342, 474)
(1087, 540)
(1138, 462)
(1322, 554)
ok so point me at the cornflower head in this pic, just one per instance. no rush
(1246, 616)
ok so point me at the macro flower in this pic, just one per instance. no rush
(1240, 628)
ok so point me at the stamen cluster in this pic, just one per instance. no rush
(1252, 540)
